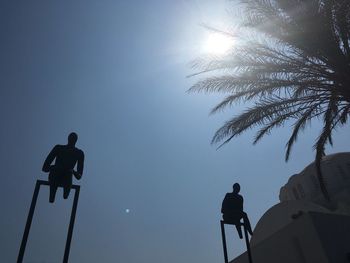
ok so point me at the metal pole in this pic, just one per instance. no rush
(224, 240)
(28, 223)
(247, 243)
(71, 224)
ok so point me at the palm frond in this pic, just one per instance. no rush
(292, 65)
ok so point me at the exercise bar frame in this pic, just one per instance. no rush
(30, 218)
(223, 236)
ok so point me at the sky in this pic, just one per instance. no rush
(115, 72)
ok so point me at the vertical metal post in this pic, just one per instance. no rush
(71, 224)
(247, 243)
(224, 240)
(28, 223)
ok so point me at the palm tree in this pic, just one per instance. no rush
(292, 63)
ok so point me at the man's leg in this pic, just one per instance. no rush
(53, 187)
(247, 223)
(67, 186)
(239, 229)
(53, 190)
(235, 220)
(66, 191)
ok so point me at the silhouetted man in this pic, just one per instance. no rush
(232, 210)
(60, 174)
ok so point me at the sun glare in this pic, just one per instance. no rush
(217, 43)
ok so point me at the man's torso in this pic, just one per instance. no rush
(233, 203)
(66, 157)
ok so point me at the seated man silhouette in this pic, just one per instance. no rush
(232, 210)
(60, 174)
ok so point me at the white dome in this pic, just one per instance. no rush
(280, 216)
(302, 194)
(305, 185)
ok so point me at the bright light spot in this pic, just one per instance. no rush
(127, 210)
(217, 44)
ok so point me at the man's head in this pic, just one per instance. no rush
(236, 188)
(72, 138)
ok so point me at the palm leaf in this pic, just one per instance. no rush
(292, 64)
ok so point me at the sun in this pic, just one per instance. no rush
(217, 44)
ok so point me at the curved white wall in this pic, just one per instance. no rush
(305, 186)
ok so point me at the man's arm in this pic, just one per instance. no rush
(241, 202)
(224, 204)
(80, 167)
(47, 164)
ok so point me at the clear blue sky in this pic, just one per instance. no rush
(115, 72)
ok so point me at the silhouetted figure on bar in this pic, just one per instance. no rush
(232, 210)
(60, 174)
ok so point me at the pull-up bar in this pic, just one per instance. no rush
(223, 236)
(30, 218)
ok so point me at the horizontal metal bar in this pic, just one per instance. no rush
(42, 182)
(227, 223)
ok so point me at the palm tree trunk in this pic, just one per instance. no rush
(320, 178)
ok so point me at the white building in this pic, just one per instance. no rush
(303, 227)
